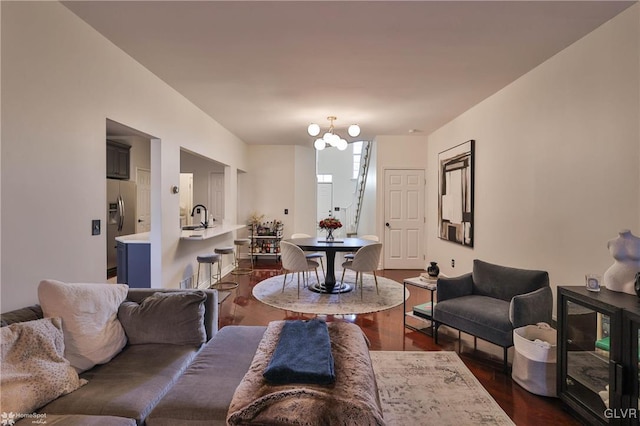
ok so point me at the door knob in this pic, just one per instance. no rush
(140, 220)
(387, 225)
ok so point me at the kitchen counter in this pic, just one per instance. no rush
(141, 238)
(204, 234)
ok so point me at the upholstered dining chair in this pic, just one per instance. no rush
(349, 256)
(294, 260)
(311, 255)
(366, 259)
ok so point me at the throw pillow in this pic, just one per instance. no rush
(34, 371)
(92, 333)
(175, 318)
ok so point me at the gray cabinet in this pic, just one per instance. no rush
(134, 264)
(118, 160)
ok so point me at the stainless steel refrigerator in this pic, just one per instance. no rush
(121, 214)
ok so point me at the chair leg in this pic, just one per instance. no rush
(505, 363)
(317, 277)
(322, 266)
(376, 280)
(343, 271)
(284, 281)
(299, 284)
(361, 286)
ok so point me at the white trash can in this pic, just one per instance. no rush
(534, 361)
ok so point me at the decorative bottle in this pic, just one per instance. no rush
(433, 269)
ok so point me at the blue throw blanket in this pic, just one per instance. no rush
(302, 355)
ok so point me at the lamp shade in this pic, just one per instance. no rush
(313, 129)
(354, 130)
(319, 144)
(342, 144)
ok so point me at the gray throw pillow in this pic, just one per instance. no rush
(175, 318)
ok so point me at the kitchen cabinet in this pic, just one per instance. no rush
(598, 335)
(134, 264)
(118, 160)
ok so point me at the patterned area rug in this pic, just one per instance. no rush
(432, 388)
(390, 295)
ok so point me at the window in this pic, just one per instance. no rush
(357, 155)
(325, 178)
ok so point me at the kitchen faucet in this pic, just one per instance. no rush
(206, 217)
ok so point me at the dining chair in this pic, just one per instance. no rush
(294, 260)
(349, 256)
(310, 255)
(366, 259)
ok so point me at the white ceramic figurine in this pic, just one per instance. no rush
(625, 249)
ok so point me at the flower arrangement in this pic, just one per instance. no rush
(330, 223)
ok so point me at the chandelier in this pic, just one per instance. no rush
(330, 138)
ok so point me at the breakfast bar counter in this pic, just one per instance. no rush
(214, 231)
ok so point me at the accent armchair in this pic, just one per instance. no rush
(493, 300)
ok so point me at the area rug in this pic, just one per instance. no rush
(432, 388)
(391, 294)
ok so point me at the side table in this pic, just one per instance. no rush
(431, 286)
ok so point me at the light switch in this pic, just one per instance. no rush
(95, 227)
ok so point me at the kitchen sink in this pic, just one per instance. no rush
(192, 227)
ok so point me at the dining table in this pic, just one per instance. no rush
(330, 285)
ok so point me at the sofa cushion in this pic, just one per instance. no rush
(503, 282)
(482, 316)
(203, 394)
(173, 318)
(28, 313)
(92, 332)
(130, 385)
(34, 371)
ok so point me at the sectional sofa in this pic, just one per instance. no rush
(162, 376)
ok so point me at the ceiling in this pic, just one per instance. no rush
(265, 70)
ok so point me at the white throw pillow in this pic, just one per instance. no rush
(92, 333)
(34, 371)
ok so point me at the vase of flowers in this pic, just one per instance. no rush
(330, 224)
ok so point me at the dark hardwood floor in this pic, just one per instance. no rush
(386, 332)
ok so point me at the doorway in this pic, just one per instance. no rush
(216, 196)
(143, 203)
(404, 218)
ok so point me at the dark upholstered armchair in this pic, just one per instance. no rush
(493, 300)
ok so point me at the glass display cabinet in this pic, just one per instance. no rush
(598, 335)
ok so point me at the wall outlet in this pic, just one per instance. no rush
(453, 263)
(286, 211)
(95, 227)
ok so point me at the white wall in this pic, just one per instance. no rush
(284, 178)
(272, 185)
(61, 80)
(305, 191)
(556, 161)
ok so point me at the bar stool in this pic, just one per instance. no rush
(208, 259)
(224, 285)
(239, 243)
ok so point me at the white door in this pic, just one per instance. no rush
(325, 201)
(216, 196)
(143, 200)
(404, 219)
(186, 198)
